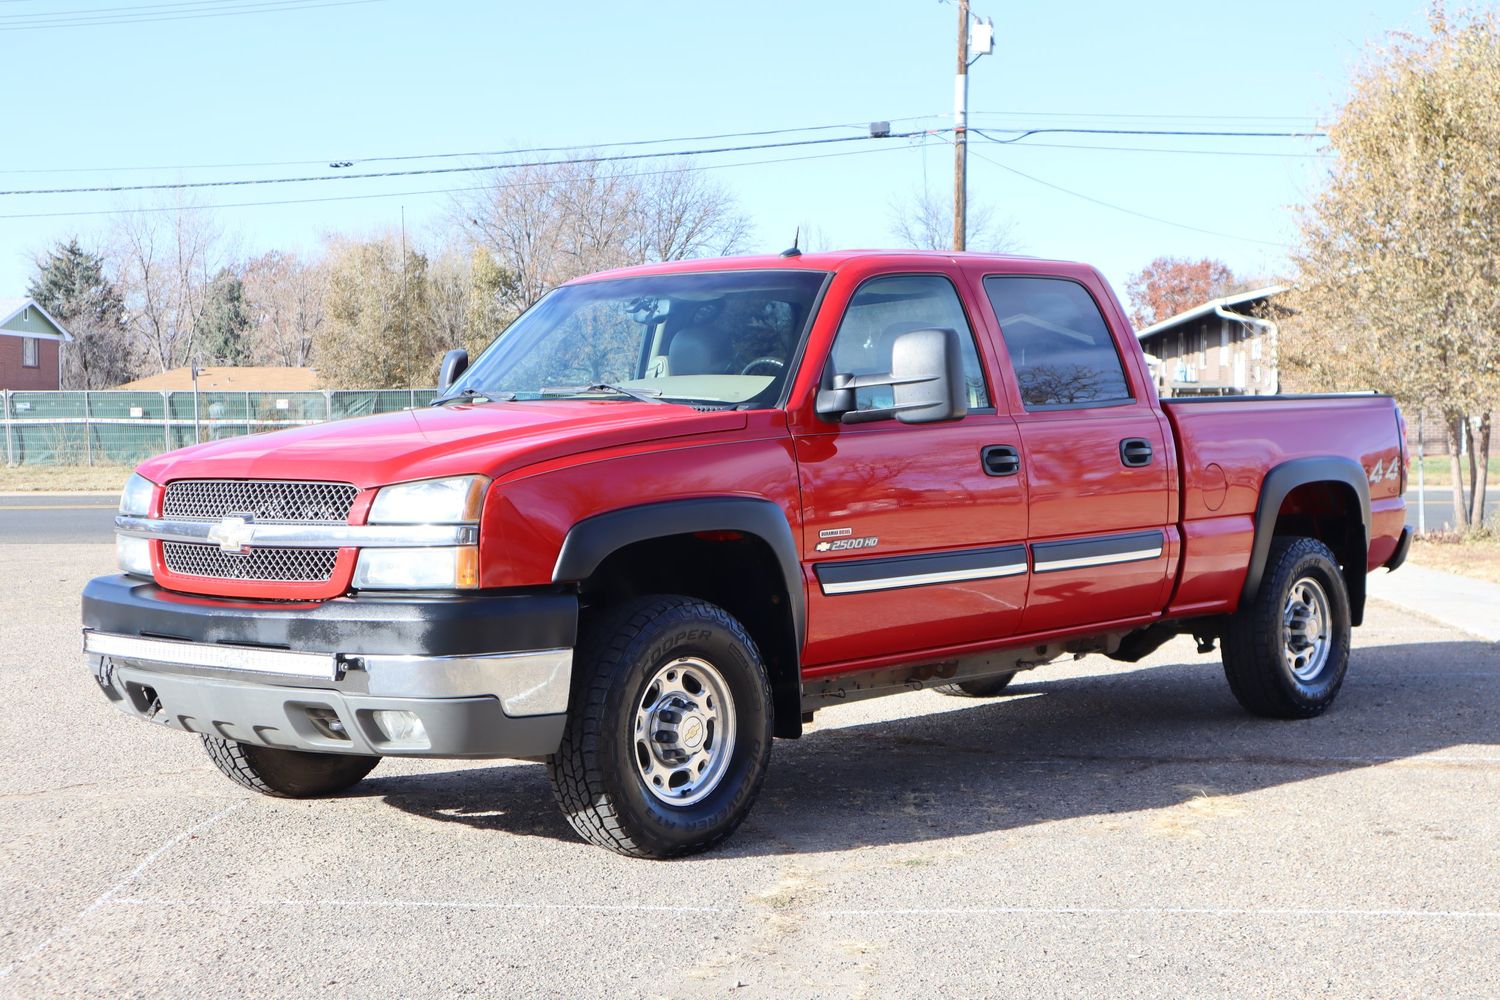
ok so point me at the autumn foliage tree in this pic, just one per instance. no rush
(1397, 285)
(1170, 285)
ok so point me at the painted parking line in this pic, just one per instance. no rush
(1275, 912)
(111, 894)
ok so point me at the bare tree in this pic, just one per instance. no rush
(923, 222)
(165, 261)
(285, 297)
(681, 213)
(547, 224)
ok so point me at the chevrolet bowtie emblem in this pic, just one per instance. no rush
(233, 534)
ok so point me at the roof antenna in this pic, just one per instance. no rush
(793, 251)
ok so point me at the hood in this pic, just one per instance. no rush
(488, 439)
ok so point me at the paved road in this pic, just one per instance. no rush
(1440, 506)
(53, 518)
(1104, 831)
(65, 519)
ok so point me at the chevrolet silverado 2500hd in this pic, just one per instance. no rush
(672, 510)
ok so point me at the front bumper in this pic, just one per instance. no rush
(487, 676)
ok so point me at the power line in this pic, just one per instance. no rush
(1145, 117)
(1195, 133)
(1158, 149)
(1128, 211)
(83, 12)
(448, 190)
(260, 7)
(394, 158)
(386, 158)
(476, 168)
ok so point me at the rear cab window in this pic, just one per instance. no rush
(1060, 346)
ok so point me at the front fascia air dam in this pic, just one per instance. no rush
(488, 675)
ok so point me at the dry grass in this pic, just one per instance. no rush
(1438, 471)
(1477, 556)
(63, 478)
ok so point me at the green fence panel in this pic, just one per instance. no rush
(127, 427)
(127, 405)
(35, 405)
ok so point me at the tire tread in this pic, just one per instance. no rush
(1252, 639)
(577, 784)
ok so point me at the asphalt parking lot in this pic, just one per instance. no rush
(1103, 831)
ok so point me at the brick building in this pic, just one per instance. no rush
(30, 346)
(1220, 348)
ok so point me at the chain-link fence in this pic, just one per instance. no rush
(123, 427)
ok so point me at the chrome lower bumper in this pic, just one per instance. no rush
(486, 705)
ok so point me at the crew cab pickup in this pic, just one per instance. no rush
(674, 510)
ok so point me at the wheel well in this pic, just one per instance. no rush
(737, 571)
(1330, 512)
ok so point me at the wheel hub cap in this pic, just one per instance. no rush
(683, 731)
(1305, 629)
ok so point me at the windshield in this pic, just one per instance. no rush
(720, 338)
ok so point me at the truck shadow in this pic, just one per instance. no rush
(1144, 738)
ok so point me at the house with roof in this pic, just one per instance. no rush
(30, 346)
(1227, 346)
(230, 378)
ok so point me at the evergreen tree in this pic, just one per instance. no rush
(72, 285)
(220, 333)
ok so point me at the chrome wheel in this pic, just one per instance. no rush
(1306, 626)
(684, 731)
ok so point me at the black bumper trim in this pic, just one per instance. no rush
(1403, 546)
(438, 626)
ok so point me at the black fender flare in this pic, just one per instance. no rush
(1277, 485)
(592, 540)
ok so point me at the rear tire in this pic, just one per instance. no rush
(1286, 654)
(669, 729)
(985, 687)
(287, 774)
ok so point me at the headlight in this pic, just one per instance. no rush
(135, 499)
(418, 569)
(431, 501)
(133, 555)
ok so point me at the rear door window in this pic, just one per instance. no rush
(1059, 344)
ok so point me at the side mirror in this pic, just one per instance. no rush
(926, 380)
(455, 363)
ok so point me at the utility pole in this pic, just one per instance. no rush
(960, 132)
(982, 44)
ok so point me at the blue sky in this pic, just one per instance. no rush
(351, 80)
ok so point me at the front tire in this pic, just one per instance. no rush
(287, 774)
(669, 731)
(1286, 654)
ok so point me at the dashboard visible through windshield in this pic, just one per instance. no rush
(722, 338)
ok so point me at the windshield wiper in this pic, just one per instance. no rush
(474, 396)
(644, 395)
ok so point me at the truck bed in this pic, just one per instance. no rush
(1226, 446)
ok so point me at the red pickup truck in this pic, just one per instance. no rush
(673, 510)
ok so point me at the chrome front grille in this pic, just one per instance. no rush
(263, 500)
(279, 565)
